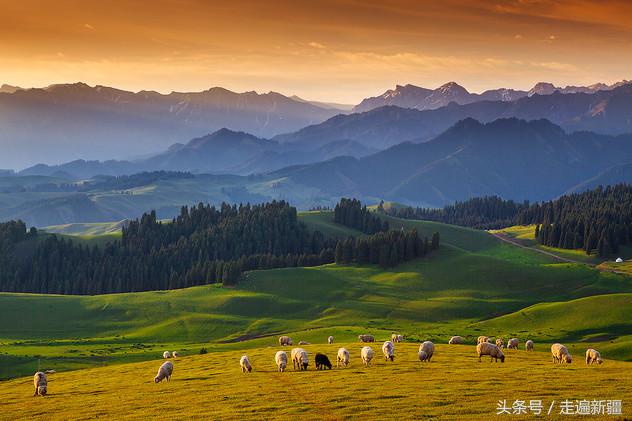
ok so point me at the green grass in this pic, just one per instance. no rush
(453, 386)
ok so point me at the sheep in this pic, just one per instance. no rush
(244, 363)
(485, 348)
(300, 358)
(280, 358)
(40, 383)
(165, 371)
(304, 343)
(175, 354)
(455, 340)
(343, 357)
(322, 361)
(366, 338)
(397, 338)
(285, 340)
(330, 340)
(367, 355)
(500, 343)
(592, 356)
(528, 346)
(560, 354)
(483, 339)
(426, 351)
(166, 354)
(513, 343)
(388, 349)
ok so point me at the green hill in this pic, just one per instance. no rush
(474, 284)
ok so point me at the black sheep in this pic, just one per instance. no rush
(322, 361)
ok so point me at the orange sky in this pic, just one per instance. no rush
(335, 50)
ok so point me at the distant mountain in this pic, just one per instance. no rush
(411, 96)
(8, 89)
(327, 105)
(511, 158)
(605, 111)
(70, 121)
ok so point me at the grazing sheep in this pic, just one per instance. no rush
(528, 345)
(500, 343)
(455, 340)
(560, 354)
(397, 338)
(244, 363)
(280, 358)
(343, 357)
(166, 354)
(175, 354)
(426, 351)
(322, 361)
(513, 343)
(366, 338)
(483, 339)
(367, 355)
(593, 356)
(285, 340)
(330, 340)
(39, 380)
(300, 358)
(304, 343)
(165, 371)
(485, 348)
(388, 349)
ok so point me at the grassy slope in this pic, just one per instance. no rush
(453, 386)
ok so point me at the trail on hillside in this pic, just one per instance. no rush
(509, 240)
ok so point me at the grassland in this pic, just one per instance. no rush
(453, 386)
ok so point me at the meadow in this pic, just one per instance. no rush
(453, 386)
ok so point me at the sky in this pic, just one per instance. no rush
(328, 50)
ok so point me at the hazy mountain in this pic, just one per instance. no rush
(605, 111)
(327, 105)
(511, 158)
(411, 96)
(71, 121)
(8, 89)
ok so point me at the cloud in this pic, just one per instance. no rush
(316, 45)
(88, 26)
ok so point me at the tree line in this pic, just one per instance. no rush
(351, 213)
(202, 245)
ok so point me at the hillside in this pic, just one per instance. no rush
(473, 277)
(127, 391)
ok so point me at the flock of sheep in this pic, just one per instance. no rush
(300, 358)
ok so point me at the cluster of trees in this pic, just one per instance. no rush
(489, 212)
(202, 245)
(124, 182)
(387, 249)
(598, 221)
(351, 213)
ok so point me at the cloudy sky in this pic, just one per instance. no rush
(334, 50)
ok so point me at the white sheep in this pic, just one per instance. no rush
(528, 345)
(455, 340)
(397, 338)
(330, 340)
(513, 343)
(388, 349)
(166, 354)
(593, 356)
(300, 358)
(175, 354)
(40, 383)
(245, 365)
(285, 340)
(343, 357)
(426, 351)
(165, 371)
(304, 343)
(500, 343)
(560, 354)
(367, 355)
(280, 358)
(483, 339)
(485, 348)
(366, 338)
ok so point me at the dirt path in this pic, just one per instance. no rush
(512, 241)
